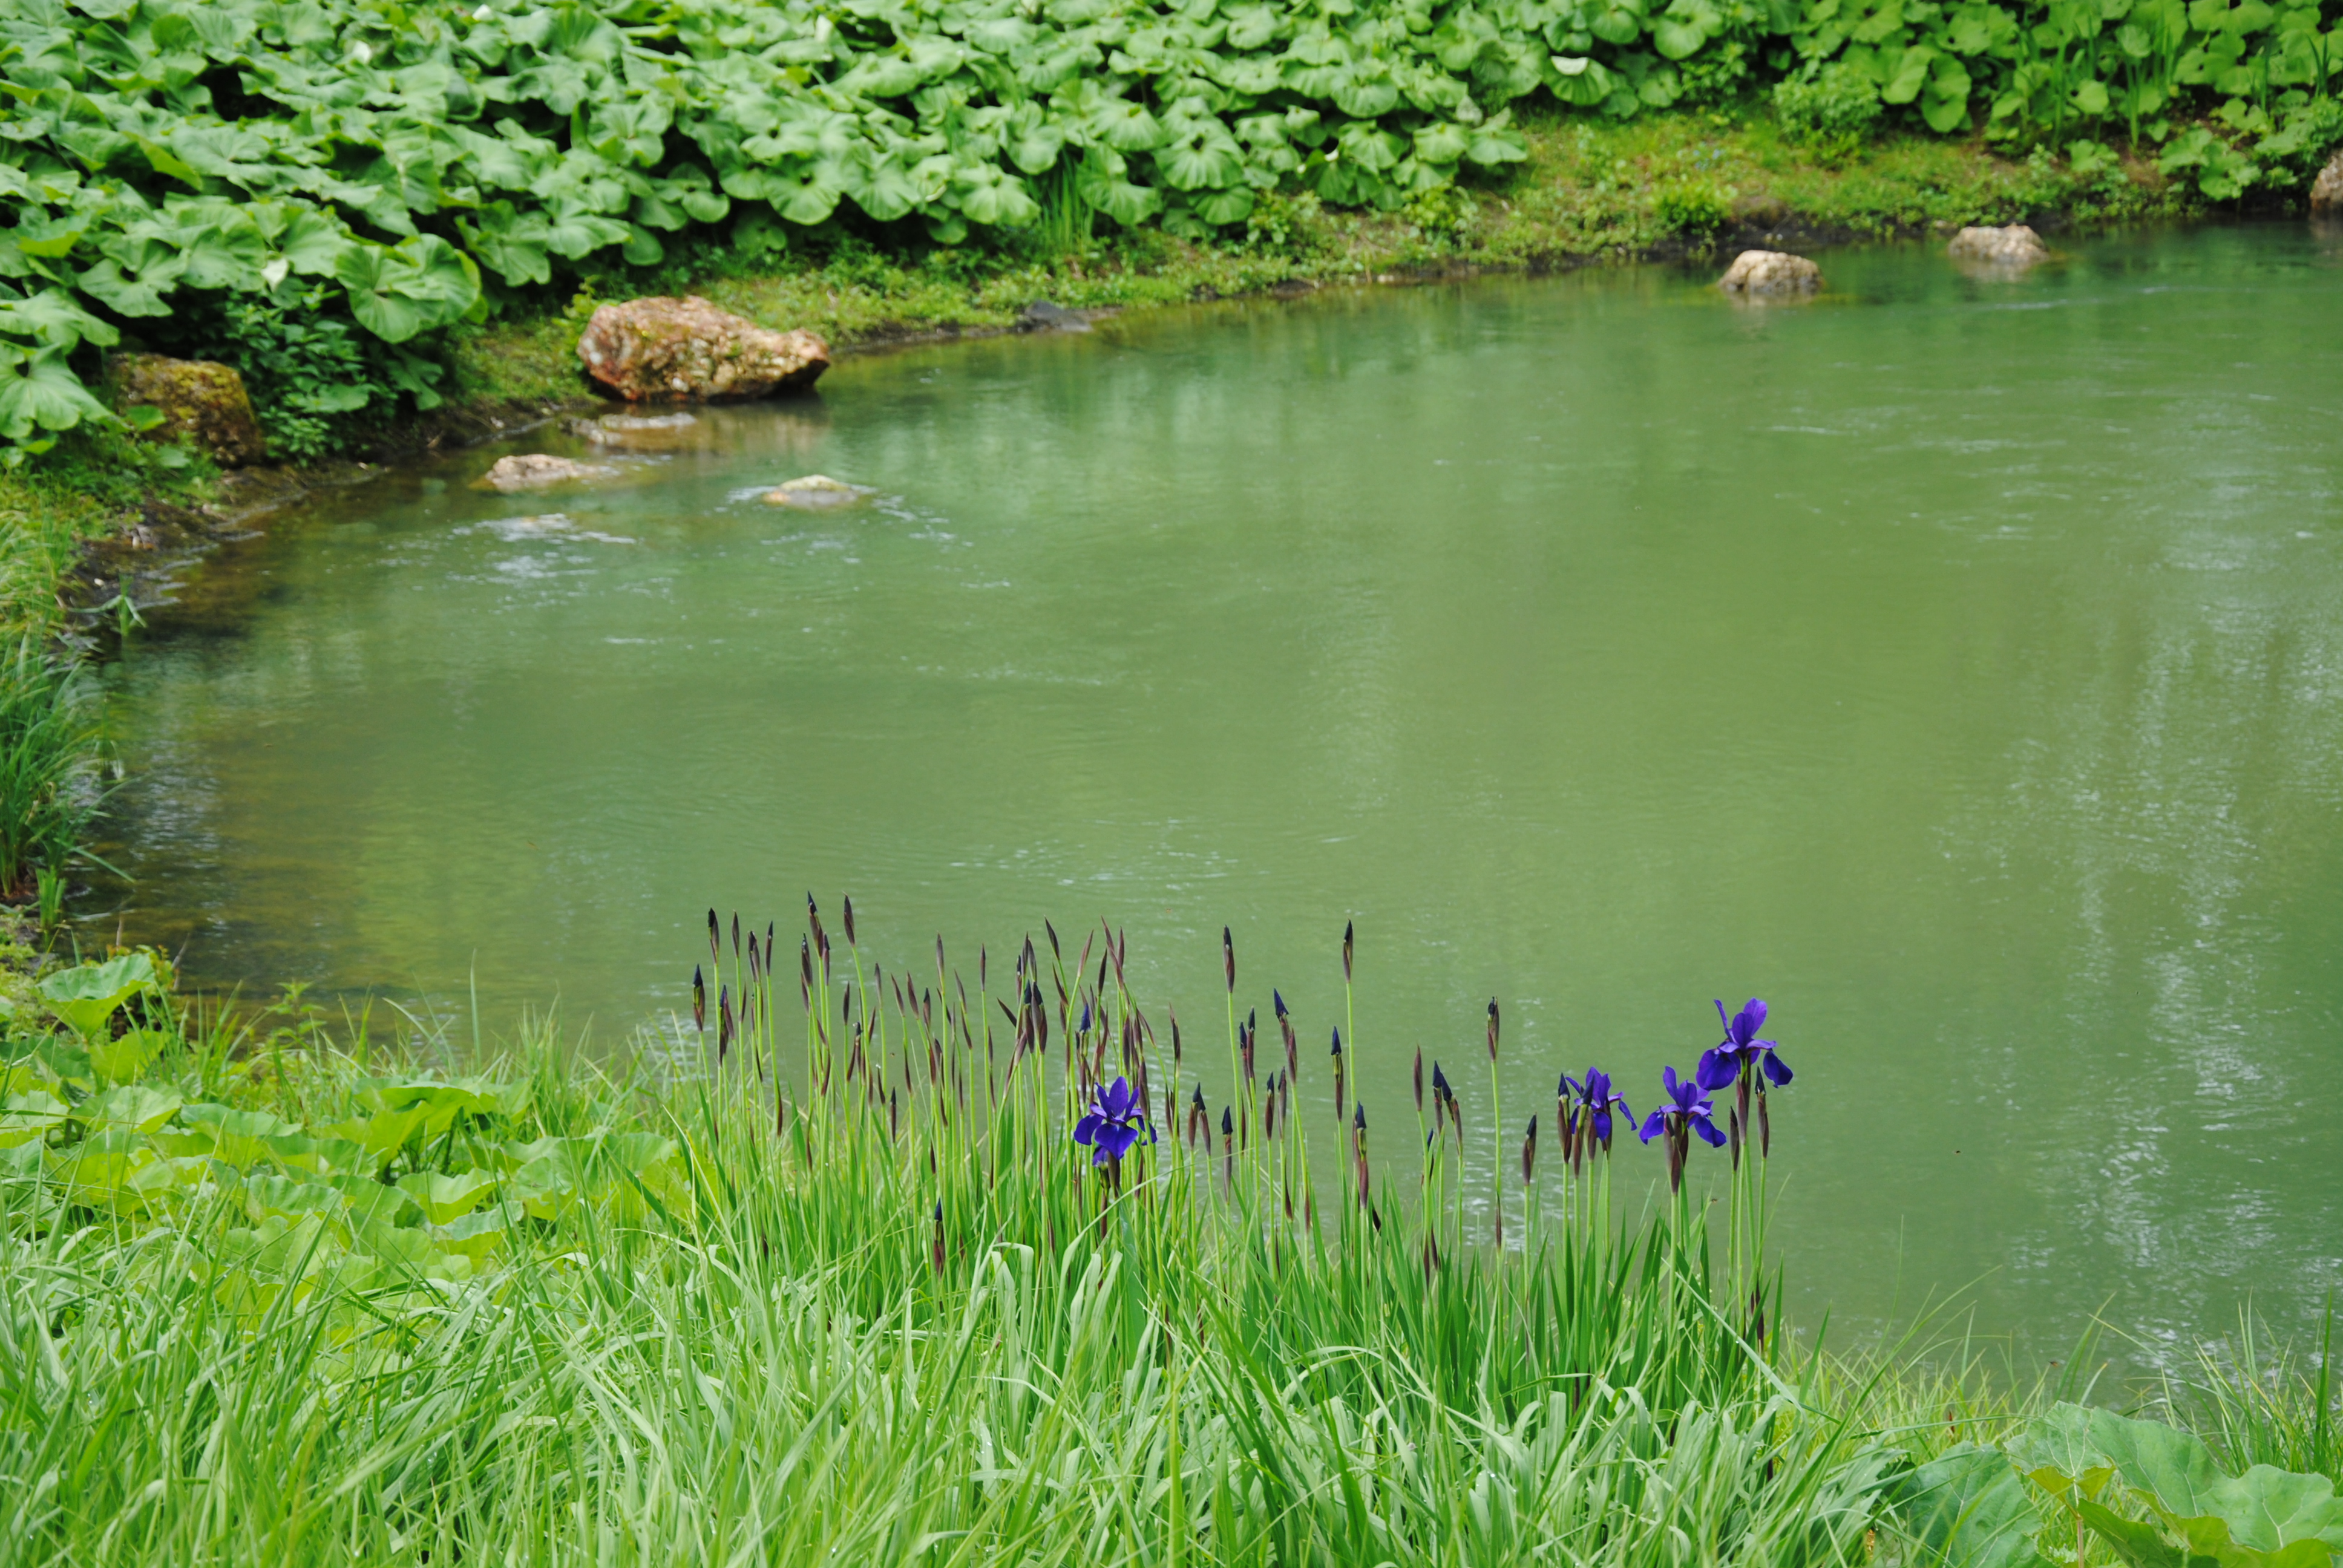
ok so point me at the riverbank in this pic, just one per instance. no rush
(911, 1288)
(1587, 193)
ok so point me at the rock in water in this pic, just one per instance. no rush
(2015, 246)
(1043, 316)
(1770, 272)
(654, 432)
(660, 349)
(815, 491)
(535, 470)
(2327, 190)
(202, 404)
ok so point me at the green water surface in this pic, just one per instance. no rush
(1956, 663)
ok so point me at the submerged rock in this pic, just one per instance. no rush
(816, 491)
(660, 348)
(639, 432)
(1041, 316)
(536, 470)
(2327, 190)
(1770, 272)
(203, 405)
(2014, 246)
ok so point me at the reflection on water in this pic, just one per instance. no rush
(1956, 663)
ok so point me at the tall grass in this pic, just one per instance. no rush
(48, 744)
(2259, 1403)
(877, 1303)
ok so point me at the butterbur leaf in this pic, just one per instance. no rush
(30, 1118)
(290, 1197)
(53, 318)
(1441, 143)
(886, 190)
(399, 291)
(1911, 76)
(312, 243)
(1495, 142)
(87, 995)
(1968, 1506)
(1100, 182)
(2057, 1453)
(643, 247)
(445, 1199)
(125, 1058)
(2111, 1468)
(237, 1138)
(50, 239)
(42, 393)
(1944, 103)
(1677, 40)
(1579, 79)
(125, 294)
(132, 1107)
(988, 195)
(1226, 206)
(1125, 127)
(225, 256)
(475, 1236)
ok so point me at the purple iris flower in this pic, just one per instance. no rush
(1596, 1098)
(1115, 1121)
(1722, 1066)
(1685, 1107)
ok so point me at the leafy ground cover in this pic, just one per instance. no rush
(916, 1270)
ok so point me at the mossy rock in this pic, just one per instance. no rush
(203, 405)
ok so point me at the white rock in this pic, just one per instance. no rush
(816, 491)
(535, 470)
(1770, 272)
(2015, 246)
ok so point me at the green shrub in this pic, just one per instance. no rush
(1439, 216)
(313, 375)
(2308, 134)
(1830, 110)
(1286, 226)
(1692, 205)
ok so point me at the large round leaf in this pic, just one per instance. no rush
(1677, 40)
(1220, 207)
(399, 291)
(989, 196)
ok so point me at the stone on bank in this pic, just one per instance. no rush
(2327, 190)
(203, 405)
(659, 350)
